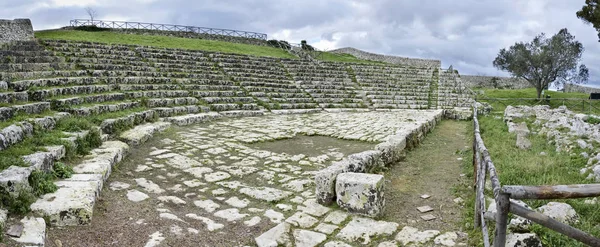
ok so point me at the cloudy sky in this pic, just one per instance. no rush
(464, 33)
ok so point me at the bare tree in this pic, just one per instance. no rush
(91, 12)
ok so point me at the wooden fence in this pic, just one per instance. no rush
(167, 27)
(484, 168)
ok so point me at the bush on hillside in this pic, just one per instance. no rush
(279, 44)
(306, 46)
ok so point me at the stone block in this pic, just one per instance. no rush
(40, 161)
(142, 133)
(364, 162)
(325, 182)
(14, 179)
(71, 205)
(34, 232)
(57, 152)
(392, 150)
(360, 193)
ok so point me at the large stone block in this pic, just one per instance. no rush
(15, 179)
(142, 133)
(364, 162)
(392, 150)
(72, 204)
(360, 193)
(40, 161)
(325, 182)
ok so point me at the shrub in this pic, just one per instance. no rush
(87, 143)
(42, 182)
(306, 46)
(73, 124)
(60, 170)
(279, 44)
(19, 205)
(92, 28)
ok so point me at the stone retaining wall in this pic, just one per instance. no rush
(417, 62)
(15, 30)
(476, 81)
(572, 88)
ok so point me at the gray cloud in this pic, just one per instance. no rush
(465, 33)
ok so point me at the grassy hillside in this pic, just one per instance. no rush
(163, 41)
(334, 57)
(524, 93)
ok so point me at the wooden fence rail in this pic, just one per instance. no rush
(167, 27)
(484, 168)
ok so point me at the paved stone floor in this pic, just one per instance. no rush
(240, 182)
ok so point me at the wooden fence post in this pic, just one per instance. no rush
(503, 207)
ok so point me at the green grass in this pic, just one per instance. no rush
(163, 41)
(528, 167)
(347, 58)
(577, 102)
(525, 93)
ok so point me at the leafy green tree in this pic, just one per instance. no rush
(590, 14)
(544, 61)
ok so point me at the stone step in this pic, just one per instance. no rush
(162, 102)
(108, 126)
(73, 203)
(179, 110)
(194, 118)
(97, 109)
(46, 93)
(221, 100)
(285, 106)
(233, 107)
(99, 98)
(142, 133)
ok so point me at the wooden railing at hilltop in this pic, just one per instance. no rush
(483, 166)
(167, 27)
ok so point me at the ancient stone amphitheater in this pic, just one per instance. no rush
(212, 179)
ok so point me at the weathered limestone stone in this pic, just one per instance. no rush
(211, 225)
(409, 236)
(311, 207)
(34, 232)
(361, 193)
(523, 142)
(71, 205)
(365, 228)
(302, 220)
(57, 152)
(276, 236)
(393, 149)
(446, 239)
(136, 195)
(325, 182)
(40, 161)
(266, 193)
(142, 133)
(523, 240)
(15, 179)
(365, 162)
(305, 238)
(560, 211)
(194, 118)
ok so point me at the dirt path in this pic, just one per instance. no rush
(434, 169)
